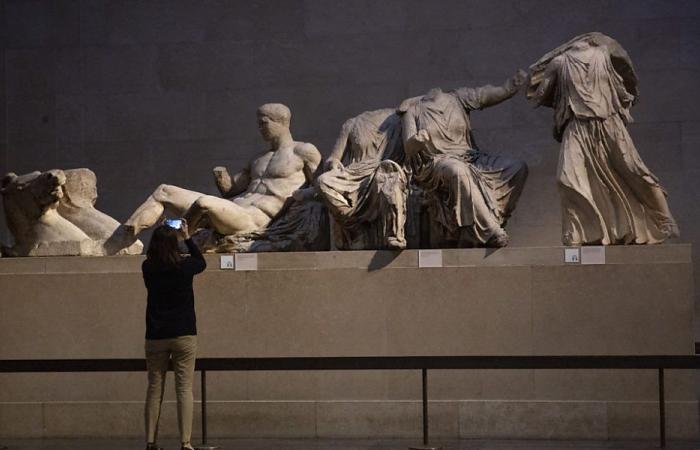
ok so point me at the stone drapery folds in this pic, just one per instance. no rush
(608, 195)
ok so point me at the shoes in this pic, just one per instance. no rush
(153, 447)
(187, 447)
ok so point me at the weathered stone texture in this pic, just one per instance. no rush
(145, 75)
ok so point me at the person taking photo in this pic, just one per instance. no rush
(171, 331)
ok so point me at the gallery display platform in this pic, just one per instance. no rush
(637, 300)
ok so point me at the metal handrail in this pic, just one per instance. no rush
(367, 363)
(422, 363)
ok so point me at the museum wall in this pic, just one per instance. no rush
(150, 92)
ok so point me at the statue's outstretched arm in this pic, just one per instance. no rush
(231, 186)
(492, 95)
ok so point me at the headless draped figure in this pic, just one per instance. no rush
(364, 186)
(470, 193)
(608, 195)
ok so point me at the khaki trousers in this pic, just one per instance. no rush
(159, 352)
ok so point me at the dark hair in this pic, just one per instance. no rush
(163, 248)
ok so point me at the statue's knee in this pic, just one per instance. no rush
(454, 169)
(204, 202)
(200, 203)
(161, 192)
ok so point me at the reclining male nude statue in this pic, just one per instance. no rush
(257, 193)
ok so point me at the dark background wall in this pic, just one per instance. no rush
(146, 92)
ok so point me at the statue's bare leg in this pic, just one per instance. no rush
(225, 216)
(165, 198)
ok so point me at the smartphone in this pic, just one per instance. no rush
(174, 223)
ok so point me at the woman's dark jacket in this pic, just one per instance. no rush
(170, 309)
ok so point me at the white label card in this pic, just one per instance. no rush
(593, 255)
(246, 261)
(429, 258)
(571, 255)
(226, 262)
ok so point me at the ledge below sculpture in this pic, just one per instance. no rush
(511, 301)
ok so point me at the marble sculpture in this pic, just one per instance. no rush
(411, 171)
(470, 193)
(52, 213)
(250, 200)
(365, 186)
(608, 195)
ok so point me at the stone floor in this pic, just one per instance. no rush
(346, 444)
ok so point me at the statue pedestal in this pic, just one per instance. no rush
(512, 301)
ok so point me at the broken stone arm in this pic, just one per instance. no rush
(231, 186)
(493, 95)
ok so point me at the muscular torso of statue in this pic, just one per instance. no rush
(259, 192)
(273, 178)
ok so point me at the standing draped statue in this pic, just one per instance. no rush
(470, 194)
(608, 195)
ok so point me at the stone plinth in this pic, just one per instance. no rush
(513, 301)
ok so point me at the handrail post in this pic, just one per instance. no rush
(204, 406)
(204, 446)
(662, 410)
(424, 373)
(426, 445)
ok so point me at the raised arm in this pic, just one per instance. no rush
(195, 263)
(485, 96)
(231, 186)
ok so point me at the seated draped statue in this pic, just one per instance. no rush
(52, 213)
(608, 195)
(364, 186)
(469, 193)
(252, 198)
